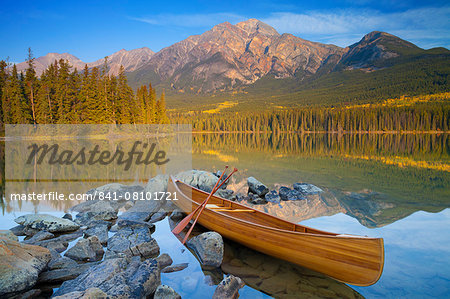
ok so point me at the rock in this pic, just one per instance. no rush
(117, 278)
(135, 241)
(209, 248)
(121, 223)
(62, 262)
(272, 196)
(20, 265)
(89, 249)
(238, 197)
(91, 293)
(257, 187)
(60, 243)
(283, 192)
(294, 195)
(225, 193)
(158, 216)
(31, 294)
(200, 179)
(100, 231)
(165, 292)
(7, 234)
(96, 210)
(67, 216)
(142, 210)
(18, 230)
(255, 199)
(307, 188)
(59, 275)
(177, 215)
(157, 184)
(175, 268)
(47, 222)
(228, 288)
(164, 260)
(40, 236)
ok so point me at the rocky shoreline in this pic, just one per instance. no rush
(105, 249)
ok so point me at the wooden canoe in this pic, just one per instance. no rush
(350, 259)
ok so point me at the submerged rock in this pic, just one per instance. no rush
(89, 250)
(47, 222)
(175, 268)
(20, 265)
(255, 186)
(165, 292)
(307, 188)
(209, 248)
(117, 278)
(228, 288)
(294, 195)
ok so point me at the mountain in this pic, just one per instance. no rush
(234, 55)
(131, 60)
(375, 48)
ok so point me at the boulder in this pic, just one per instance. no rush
(61, 262)
(294, 195)
(134, 241)
(283, 192)
(7, 234)
(209, 248)
(225, 193)
(60, 243)
(67, 216)
(121, 223)
(165, 292)
(89, 250)
(200, 179)
(228, 288)
(255, 199)
(100, 231)
(158, 216)
(142, 210)
(157, 184)
(164, 260)
(60, 275)
(96, 210)
(47, 222)
(273, 197)
(307, 188)
(175, 268)
(255, 186)
(117, 278)
(116, 191)
(91, 293)
(18, 230)
(40, 236)
(20, 265)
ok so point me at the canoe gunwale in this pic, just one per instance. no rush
(222, 213)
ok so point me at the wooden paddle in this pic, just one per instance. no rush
(183, 223)
(203, 205)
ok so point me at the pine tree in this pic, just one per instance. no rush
(31, 84)
(124, 99)
(14, 101)
(161, 117)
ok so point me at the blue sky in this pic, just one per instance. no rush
(91, 30)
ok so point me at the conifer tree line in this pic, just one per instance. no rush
(62, 95)
(419, 117)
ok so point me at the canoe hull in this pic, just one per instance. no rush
(353, 260)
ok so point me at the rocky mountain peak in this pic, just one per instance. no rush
(252, 26)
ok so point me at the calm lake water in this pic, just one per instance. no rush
(394, 186)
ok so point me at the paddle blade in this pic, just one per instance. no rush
(183, 223)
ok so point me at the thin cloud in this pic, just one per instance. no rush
(426, 26)
(194, 20)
